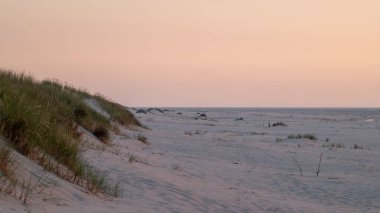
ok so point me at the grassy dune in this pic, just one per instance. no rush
(40, 120)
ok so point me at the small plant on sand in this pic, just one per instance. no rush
(174, 167)
(310, 137)
(200, 132)
(26, 188)
(131, 158)
(356, 146)
(277, 124)
(94, 182)
(117, 190)
(188, 133)
(333, 146)
(306, 136)
(143, 139)
(295, 136)
(196, 132)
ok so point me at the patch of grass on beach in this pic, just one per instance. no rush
(333, 145)
(42, 117)
(306, 136)
(131, 158)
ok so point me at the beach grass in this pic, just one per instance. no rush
(43, 117)
(5, 158)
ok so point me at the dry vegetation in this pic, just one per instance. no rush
(4, 161)
(143, 139)
(305, 136)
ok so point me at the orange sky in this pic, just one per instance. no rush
(240, 53)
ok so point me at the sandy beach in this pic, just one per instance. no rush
(228, 161)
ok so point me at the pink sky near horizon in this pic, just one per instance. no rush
(206, 53)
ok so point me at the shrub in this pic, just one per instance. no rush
(356, 146)
(101, 133)
(295, 136)
(310, 137)
(277, 124)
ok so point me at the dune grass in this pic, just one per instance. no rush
(42, 117)
(116, 111)
(4, 161)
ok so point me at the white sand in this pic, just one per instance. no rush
(223, 165)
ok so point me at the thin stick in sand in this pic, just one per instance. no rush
(319, 166)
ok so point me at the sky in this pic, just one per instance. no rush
(201, 53)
